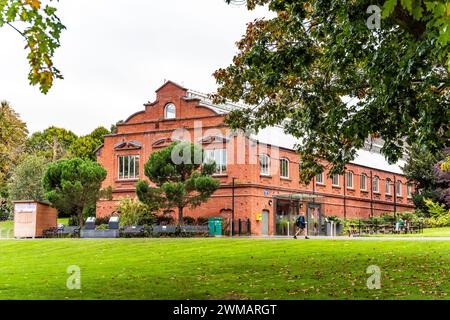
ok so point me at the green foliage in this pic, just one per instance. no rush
(85, 146)
(26, 180)
(52, 143)
(73, 185)
(181, 179)
(102, 227)
(41, 31)
(134, 213)
(300, 64)
(436, 209)
(13, 133)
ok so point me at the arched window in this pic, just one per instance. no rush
(409, 190)
(319, 178)
(264, 163)
(388, 186)
(335, 180)
(376, 184)
(363, 182)
(399, 188)
(350, 179)
(169, 111)
(284, 168)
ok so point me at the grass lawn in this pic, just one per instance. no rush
(224, 269)
(430, 232)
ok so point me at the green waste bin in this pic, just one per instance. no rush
(215, 226)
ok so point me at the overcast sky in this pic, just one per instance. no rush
(114, 54)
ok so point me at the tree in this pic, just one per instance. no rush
(442, 183)
(85, 146)
(74, 185)
(42, 30)
(53, 143)
(26, 180)
(180, 177)
(419, 169)
(13, 133)
(333, 78)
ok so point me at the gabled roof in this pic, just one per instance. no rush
(128, 144)
(171, 82)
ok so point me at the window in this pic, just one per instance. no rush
(319, 178)
(335, 180)
(363, 182)
(399, 188)
(376, 182)
(284, 168)
(219, 156)
(388, 186)
(350, 179)
(409, 190)
(264, 162)
(128, 167)
(170, 111)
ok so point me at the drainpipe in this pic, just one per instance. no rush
(345, 200)
(371, 193)
(232, 206)
(395, 199)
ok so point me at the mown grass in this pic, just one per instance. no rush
(224, 269)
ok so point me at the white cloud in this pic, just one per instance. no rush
(114, 54)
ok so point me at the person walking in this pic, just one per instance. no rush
(301, 223)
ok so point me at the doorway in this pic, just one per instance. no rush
(265, 223)
(314, 220)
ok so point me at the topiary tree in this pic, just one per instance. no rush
(74, 185)
(180, 176)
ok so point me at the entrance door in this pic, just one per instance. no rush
(314, 219)
(265, 223)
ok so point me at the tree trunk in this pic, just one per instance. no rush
(80, 217)
(180, 215)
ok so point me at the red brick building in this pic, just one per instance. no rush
(263, 166)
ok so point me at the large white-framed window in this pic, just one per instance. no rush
(128, 167)
(376, 184)
(219, 156)
(170, 111)
(335, 180)
(363, 182)
(284, 168)
(319, 178)
(349, 179)
(264, 164)
(388, 186)
(399, 188)
(409, 190)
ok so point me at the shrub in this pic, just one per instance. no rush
(102, 220)
(436, 209)
(202, 220)
(164, 220)
(132, 212)
(73, 221)
(188, 220)
(102, 227)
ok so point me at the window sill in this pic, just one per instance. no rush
(335, 186)
(377, 193)
(127, 180)
(220, 175)
(265, 176)
(320, 184)
(350, 189)
(285, 178)
(365, 191)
